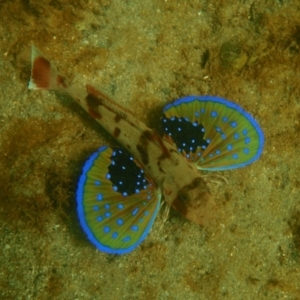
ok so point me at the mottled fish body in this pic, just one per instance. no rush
(120, 190)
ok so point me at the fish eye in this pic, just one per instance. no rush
(183, 196)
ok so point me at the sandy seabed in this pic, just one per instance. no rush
(146, 54)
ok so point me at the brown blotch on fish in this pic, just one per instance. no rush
(164, 149)
(180, 206)
(161, 170)
(93, 103)
(142, 146)
(147, 135)
(61, 81)
(143, 153)
(163, 156)
(117, 132)
(118, 117)
(197, 182)
(40, 73)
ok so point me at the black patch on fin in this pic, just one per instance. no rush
(126, 177)
(186, 135)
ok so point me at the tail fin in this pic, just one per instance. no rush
(43, 73)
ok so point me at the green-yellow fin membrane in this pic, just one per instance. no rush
(116, 203)
(213, 132)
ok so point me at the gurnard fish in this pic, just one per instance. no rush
(121, 189)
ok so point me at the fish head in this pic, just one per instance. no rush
(196, 203)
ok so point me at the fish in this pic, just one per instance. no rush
(121, 189)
